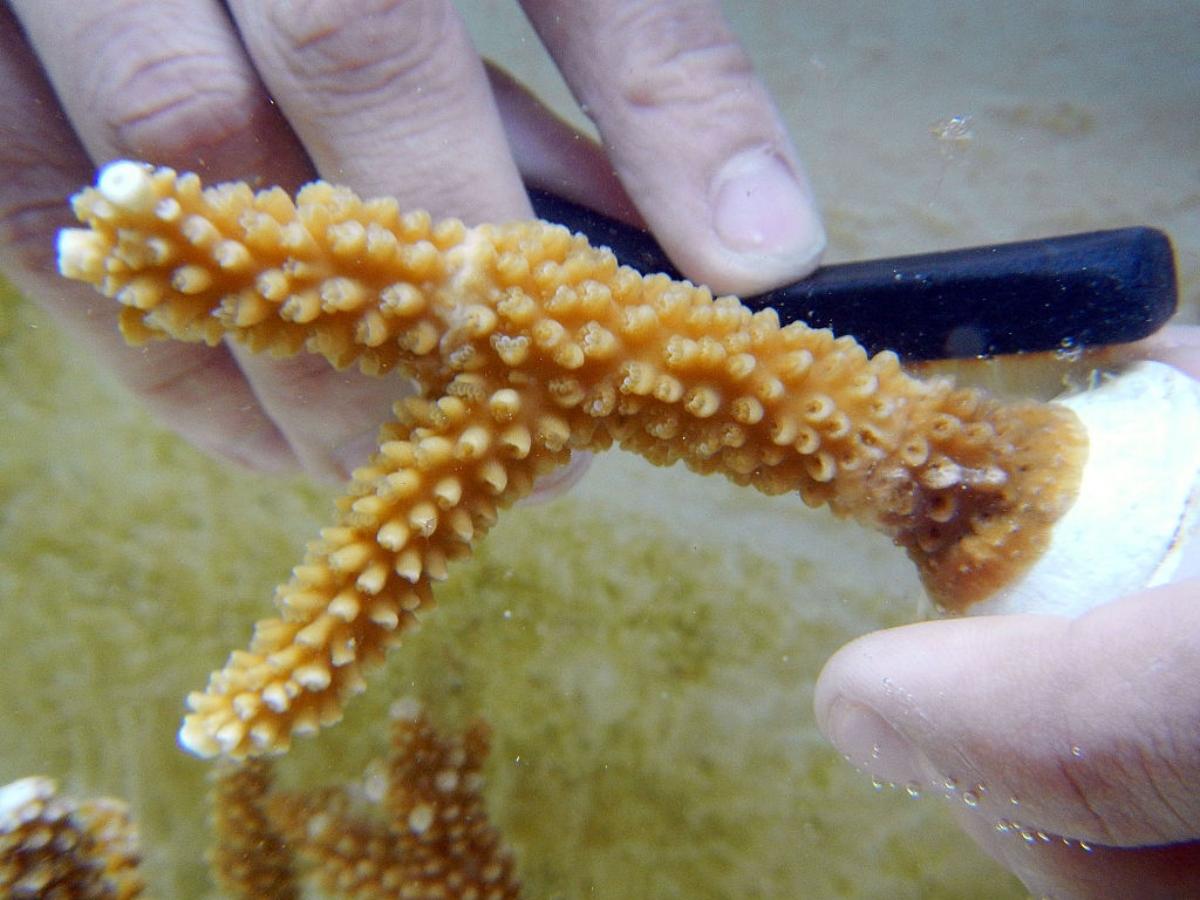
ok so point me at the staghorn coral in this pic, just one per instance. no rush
(250, 860)
(433, 840)
(433, 801)
(527, 343)
(56, 849)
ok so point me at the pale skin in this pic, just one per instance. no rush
(1091, 724)
(371, 94)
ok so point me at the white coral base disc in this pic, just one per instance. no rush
(1138, 503)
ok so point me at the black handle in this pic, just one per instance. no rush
(1074, 291)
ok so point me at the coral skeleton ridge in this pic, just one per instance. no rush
(527, 343)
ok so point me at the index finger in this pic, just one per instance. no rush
(693, 135)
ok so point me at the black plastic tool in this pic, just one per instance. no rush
(1057, 293)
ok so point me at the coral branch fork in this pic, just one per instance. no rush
(527, 343)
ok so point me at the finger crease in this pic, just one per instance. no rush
(1150, 778)
(1081, 797)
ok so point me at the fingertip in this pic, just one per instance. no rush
(754, 228)
(833, 682)
(694, 136)
(1074, 719)
(863, 699)
(871, 744)
(765, 218)
(1006, 717)
(559, 481)
(915, 704)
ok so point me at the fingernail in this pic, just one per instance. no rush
(263, 450)
(559, 481)
(760, 207)
(354, 453)
(873, 745)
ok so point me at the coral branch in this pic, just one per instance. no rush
(433, 839)
(250, 861)
(51, 846)
(527, 343)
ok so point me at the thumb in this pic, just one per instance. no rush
(1084, 729)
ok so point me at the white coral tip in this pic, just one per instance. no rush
(128, 185)
(406, 709)
(196, 739)
(19, 801)
(80, 253)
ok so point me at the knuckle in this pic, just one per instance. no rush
(32, 202)
(361, 49)
(26, 228)
(167, 105)
(678, 55)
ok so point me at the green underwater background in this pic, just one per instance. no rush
(644, 648)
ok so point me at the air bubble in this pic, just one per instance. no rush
(1069, 350)
(913, 790)
(970, 798)
(953, 134)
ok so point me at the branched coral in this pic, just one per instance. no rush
(53, 848)
(418, 831)
(250, 860)
(526, 343)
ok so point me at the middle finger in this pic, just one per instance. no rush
(389, 97)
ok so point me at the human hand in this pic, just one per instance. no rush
(387, 98)
(1069, 748)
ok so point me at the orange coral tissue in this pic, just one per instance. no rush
(528, 343)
